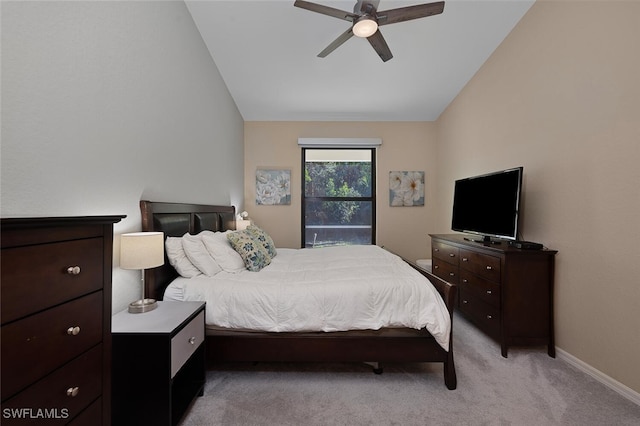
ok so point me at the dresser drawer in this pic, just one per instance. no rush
(481, 264)
(449, 254)
(37, 345)
(486, 290)
(486, 316)
(65, 393)
(446, 271)
(90, 416)
(55, 273)
(185, 343)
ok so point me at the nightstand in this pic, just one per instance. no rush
(158, 363)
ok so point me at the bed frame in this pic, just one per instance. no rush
(385, 345)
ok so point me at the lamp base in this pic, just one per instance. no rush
(142, 305)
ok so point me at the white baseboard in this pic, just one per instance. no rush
(609, 382)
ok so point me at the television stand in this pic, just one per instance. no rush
(507, 292)
(485, 240)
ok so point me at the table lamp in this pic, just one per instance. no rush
(142, 250)
(243, 221)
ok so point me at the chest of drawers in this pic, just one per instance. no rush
(56, 309)
(506, 292)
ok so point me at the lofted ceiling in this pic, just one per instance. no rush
(266, 51)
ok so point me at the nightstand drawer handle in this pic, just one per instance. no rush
(452, 274)
(73, 331)
(464, 280)
(464, 259)
(465, 301)
(73, 270)
(192, 340)
(452, 255)
(488, 291)
(436, 249)
(71, 392)
(489, 317)
(489, 268)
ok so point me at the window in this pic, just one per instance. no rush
(338, 197)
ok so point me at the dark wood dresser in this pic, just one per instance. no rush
(507, 292)
(56, 320)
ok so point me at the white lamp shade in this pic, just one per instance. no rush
(141, 250)
(242, 224)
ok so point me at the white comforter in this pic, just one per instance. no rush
(321, 289)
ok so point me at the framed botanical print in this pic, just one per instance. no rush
(273, 187)
(406, 189)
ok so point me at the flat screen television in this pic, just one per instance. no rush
(488, 204)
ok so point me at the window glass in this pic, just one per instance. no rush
(339, 203)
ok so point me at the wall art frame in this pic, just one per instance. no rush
(273, 186)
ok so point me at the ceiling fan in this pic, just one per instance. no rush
(366, 19)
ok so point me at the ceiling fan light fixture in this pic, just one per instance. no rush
(365, 26)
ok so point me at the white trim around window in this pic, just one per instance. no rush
(339, 142)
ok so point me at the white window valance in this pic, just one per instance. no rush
(339, 142)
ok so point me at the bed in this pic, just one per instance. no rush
(223, 344)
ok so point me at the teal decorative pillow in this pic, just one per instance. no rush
(264, 239)
(253, 253)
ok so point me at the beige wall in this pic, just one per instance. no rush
(405, 146)
(561, 96)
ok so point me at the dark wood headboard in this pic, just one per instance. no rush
(175, 220)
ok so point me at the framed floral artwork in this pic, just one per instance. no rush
(406, 189)
(273, 187)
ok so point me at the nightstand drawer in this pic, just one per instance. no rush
(55, 273)
(185, 343)
(35, 346)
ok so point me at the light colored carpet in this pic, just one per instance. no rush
(528, 388)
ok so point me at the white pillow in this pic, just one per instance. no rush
(198, 255)
(219, 247)
(178, 258)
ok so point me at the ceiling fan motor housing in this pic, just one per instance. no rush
(362, 5)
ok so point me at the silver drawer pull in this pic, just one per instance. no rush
(436, 249)
(71, 392)
(435, 266)
(489, 317)
(452, 255)
(488, 291)
(465, 301)
(192, 340)
(73, 331)
(489, 268)
(464, 259)
(452, 274)
(73, 270)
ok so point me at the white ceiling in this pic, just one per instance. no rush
(266, 52)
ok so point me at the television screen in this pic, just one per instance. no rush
(488, 204)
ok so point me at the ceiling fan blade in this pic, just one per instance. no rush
(336, 43)
(380, 46)
(408, 13)
(326, 10)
